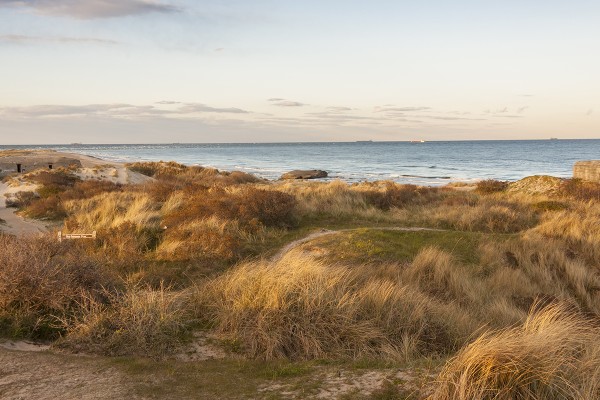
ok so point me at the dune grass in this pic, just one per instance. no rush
(553, 355)
(508, 285)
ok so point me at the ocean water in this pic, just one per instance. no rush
(429, 163)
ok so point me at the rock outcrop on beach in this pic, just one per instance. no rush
(587, 170)
(305, 174)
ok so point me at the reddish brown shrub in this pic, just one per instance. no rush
(41, 281)
(395, 195)
(488, 186)
(46, 208)
(269, 207)
(580, 190)
(60, 178)
(248, 207)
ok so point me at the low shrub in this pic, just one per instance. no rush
(42, 281)
(20, 199)
(249, 207)
(136, 321)
(46, 208)
(580, 190)
(210, 239)
(59, 178)
(483, 216)
(550, 205)
(488, 186)
(395, 195)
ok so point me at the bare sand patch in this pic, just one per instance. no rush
(47, 376)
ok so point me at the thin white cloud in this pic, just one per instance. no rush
(445, 118)
(391, 108)
(339, 109)
(286, 103)
(92, 9)
(202, 108)
(25, 39)
(114, 110)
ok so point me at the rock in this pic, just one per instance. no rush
(305, 174)
(587, 170)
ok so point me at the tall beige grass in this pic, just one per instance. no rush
(136, 321)
(300, 308)
(111, 210)
(554, 355)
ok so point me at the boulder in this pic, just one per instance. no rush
(587, 170)
(305, 174)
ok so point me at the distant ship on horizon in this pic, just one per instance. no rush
(417, 141)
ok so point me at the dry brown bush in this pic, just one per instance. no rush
(577, 227)
(136, 321)
(55, 189)
(580, 190)
(42, 280)
(483, 215)
(182, 175)
(395, 195)
(59, 178)
(20, 199)
(488, 186)
(248, 206)
(208, 240)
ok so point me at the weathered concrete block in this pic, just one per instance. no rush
(12, 161)
(587, 170)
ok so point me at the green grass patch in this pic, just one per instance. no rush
(378, 246)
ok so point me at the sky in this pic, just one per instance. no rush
(164, 71)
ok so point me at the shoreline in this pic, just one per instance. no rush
(420, 171)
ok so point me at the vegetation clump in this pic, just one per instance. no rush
(488, 186)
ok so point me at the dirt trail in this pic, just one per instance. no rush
(326, 232)
(12, 223)
(44, 375)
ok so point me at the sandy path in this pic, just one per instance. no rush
(13, 224)
(326, 232)
(112, 171)
(43, 375)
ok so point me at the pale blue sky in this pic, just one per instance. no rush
(129, 71)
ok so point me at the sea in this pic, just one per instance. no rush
(422, 163)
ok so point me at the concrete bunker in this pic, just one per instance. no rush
(20, 162)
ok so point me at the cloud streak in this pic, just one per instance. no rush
(285, 103)
(117, 110)
(389, 108)
(25, 39)
(92, 9)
